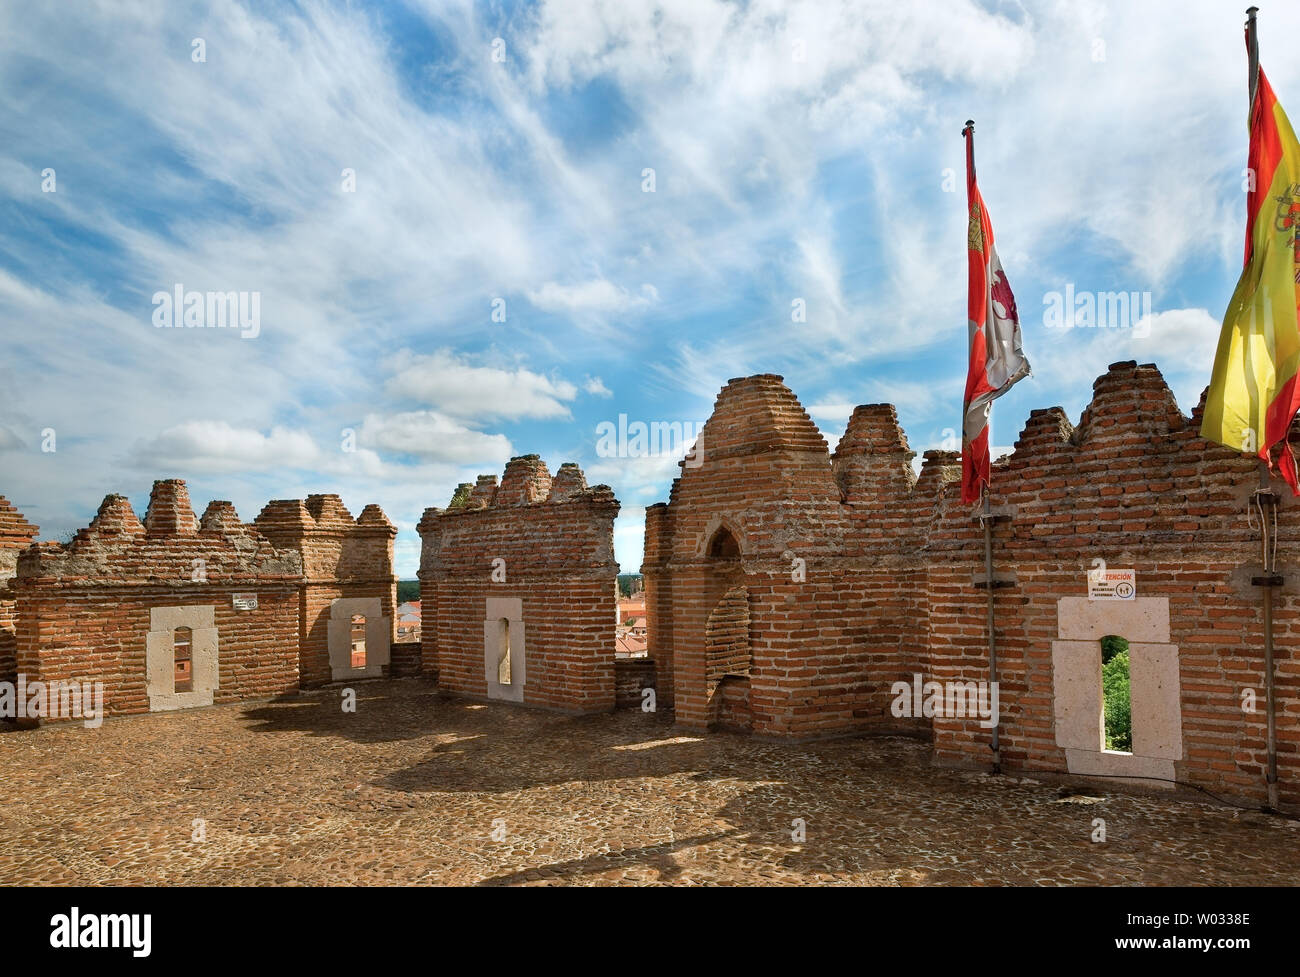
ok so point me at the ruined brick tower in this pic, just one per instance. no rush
(348, 595)
(518, 588)
(16, 533)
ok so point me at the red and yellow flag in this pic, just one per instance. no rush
(1254, 393)
(997, 361)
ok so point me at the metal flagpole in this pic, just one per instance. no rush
(1267, 501)
(986, 517)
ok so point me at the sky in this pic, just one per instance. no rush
(467, 231)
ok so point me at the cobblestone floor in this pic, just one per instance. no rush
(414, 786)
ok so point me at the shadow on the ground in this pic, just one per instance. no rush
(659, 857)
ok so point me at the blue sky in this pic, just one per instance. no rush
(800, 152)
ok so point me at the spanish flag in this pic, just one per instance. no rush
(1254, 393)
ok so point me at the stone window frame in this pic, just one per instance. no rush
(511, 610)
(1154, 688)
(339, 638)
(160, 657)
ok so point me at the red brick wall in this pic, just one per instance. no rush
(342, 558)
(832, 600)
(555, 537)
(15, 534)
(891, 563)
(1136, 486)
(84, 608)
(631, 676)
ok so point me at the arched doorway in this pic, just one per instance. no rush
(727, 656)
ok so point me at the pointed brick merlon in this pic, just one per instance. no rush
(220, 517)
(15, 531)
(170, 512)
(373, 517)
(873, 429)
(483, 493)
(526, 481)
(938, 468)
(329, 512)
(569, 482)
(758, 414)
(460, 497)
(1131, 398)
(284, 520)
(873, 458)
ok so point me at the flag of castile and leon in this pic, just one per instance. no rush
(997, 360)
(1254, 391)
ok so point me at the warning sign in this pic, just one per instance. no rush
(1111, 584)
(244, 602)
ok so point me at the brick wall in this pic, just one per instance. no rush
(631, 675)
(342, 558)
(861, 574)
(555, 540)
(15, 534)
(83, 608)
(831, 596)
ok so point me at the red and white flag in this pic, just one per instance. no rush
(996, 360)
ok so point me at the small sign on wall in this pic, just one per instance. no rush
(244, 602)
(1111, 584)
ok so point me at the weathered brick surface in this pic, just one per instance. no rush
(831, 596)
(16, 533)
(342, 557)
(83, 609)
(890, 563)
(555, 538)
(631, 676)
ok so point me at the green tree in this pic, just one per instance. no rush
(1115, 693)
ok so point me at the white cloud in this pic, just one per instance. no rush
(597, 295)
(433, 436)
(596, 387)
(457, 388)
(215, 446)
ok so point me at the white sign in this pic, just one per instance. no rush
(1112, 584)
(244, 602)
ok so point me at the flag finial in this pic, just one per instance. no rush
(970, 125)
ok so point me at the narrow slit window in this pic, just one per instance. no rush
(503, 651)
(1117, 735)
(358, 641)
(183, 659)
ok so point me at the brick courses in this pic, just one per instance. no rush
(16, 533)
(890, 562)
(84, 608)
(555, 540)
(342, 558)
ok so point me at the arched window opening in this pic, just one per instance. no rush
(723, 546)
(358, 641)
(183, 659)
(503, 651)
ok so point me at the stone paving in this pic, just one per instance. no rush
(420, 788)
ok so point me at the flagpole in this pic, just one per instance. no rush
(986, 517)
(1266, 500)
